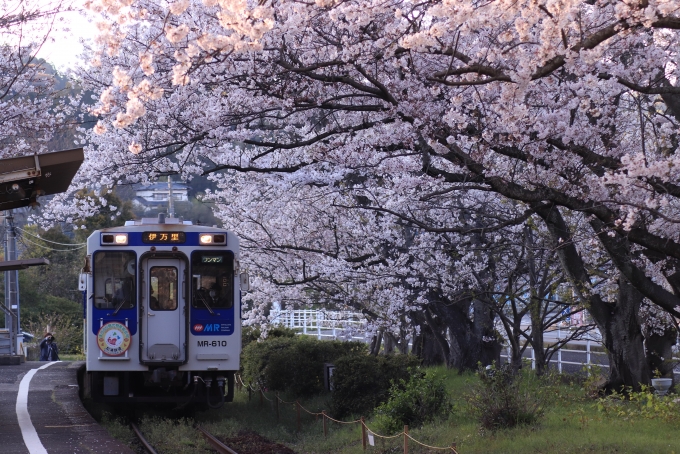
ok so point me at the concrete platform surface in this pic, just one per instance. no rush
(40, 412)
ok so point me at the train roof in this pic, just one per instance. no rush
(161, 222)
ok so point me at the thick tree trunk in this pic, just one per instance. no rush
(374, 348)
(472, 341)
(622, 336)
(618, 322)
(483, 326)
(389, 343)
(426, 347)
(463, 341)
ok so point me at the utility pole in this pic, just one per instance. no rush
(171, 201)
(11, 308)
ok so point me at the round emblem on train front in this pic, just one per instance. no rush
(113, 338)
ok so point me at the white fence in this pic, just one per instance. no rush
(344, 325)
(349, 325)
(557, 356)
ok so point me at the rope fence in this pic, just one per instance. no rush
(367, 435)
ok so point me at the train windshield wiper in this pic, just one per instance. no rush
(120, 305)
(202, 299)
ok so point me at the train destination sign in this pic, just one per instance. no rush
(164, 237)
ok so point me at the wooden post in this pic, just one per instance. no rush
(406, 439)
(363, 434)
(325, 426)
(453, 448)
(277, 406)
(297, 408)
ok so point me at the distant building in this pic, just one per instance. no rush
(156, 194)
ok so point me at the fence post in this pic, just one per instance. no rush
(325, 426)
(406, 439)
(297, 410)
(304, 321)
(363, 434)
(588, 356)
(533, 358)
(559, 360)
(277, 406)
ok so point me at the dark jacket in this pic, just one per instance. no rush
(49, 350)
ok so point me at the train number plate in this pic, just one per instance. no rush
(214, 343)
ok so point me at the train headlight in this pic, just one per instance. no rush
(207, 239)
(114, 239)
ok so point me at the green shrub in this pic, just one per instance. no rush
(420, 399)
(362, 382)
(281, 331)
(293, 364)
(502, 399)
(66, 329)
(251, 334)
(640, 404)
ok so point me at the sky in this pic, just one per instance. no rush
(64, 48)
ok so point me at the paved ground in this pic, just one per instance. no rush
(61, 424)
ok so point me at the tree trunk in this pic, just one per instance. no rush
(374, 348)
(426, 347)
(618, 322)
(484, 331)
(622, 336)
(389, 343)
(537, 335)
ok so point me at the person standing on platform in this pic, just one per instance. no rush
(48, 348)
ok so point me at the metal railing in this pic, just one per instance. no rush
(557, 359)
(350, 325)
(346, 325)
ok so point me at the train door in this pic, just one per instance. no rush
(164, 320)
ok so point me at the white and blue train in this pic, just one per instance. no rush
(162, 313)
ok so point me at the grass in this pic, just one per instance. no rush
(72, 357)
(571, 423)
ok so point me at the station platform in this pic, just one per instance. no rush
(40, 412)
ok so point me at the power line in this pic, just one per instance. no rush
(52, 249)
(49, 241)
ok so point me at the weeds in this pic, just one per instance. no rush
(646, 404)
(413, 402)
(502, 400)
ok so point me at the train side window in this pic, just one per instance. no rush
(163, 288)
(212, 276)
(115, 280)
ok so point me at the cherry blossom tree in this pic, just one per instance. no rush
(564, 107)
(30, 108)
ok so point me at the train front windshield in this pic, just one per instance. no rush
(212, 279)
(114, 279)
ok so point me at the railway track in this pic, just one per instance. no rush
(214, 442)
